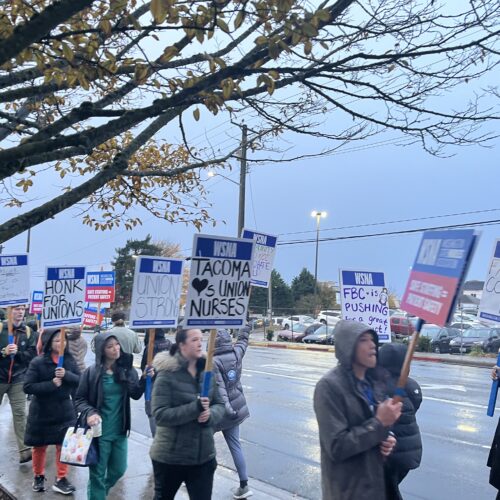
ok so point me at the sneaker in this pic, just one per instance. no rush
(63, 486)
(240, 492)
(39, 483)
(25, 456)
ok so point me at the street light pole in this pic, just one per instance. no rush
(319, 215)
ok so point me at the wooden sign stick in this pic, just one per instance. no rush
(149, 361)
(209, 364)
(60, 361)
(405, 370)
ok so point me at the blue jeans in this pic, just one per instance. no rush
(232, 437)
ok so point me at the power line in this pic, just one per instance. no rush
(394, 221)
(391, 233)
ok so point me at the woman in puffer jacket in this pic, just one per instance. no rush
(183, 449)
(228, 359)
(408, 452)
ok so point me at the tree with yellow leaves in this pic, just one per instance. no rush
(87, 85)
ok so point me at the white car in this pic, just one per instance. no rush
(330, 318)
(288, 323)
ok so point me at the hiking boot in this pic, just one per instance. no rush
(25, 456)
(63, 486)
(240, 492)
(39, 483)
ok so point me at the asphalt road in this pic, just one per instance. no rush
(280, 438)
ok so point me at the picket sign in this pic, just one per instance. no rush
(434, 284)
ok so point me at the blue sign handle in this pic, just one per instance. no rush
(149, 388)
(493, 393)
(60, 361)
(207, 379)
(11, 341)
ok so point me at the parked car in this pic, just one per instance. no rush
(488, 339)
(289, 322)
(440, 337)
(323, 335)
(402, 326)
(329, 317)
(300, 330)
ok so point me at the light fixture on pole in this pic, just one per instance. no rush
(318, 215)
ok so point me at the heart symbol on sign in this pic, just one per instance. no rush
(199, 285)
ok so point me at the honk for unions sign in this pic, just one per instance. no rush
(219, 282)
(63, 296)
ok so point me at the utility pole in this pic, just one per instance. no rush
(243, 176)
(28, 241)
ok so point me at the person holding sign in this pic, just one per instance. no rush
(408, 453)
(103, 396)
(51, 411)
(18, 348)
(160, 344)
(354, 418)
(228, 361)
(129, 340)
(183, 449)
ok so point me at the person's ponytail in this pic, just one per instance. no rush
(173, 349)
(180, 338)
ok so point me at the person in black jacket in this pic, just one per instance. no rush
(160, 344)
(51, 411)
(408, 452)
(228, 364)
(103, 397)
(14, 361)
(494, 455)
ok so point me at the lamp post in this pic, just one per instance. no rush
(319, 215)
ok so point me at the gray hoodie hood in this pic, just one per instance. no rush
(100, 340)
(346, 336)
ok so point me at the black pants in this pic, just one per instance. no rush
(393, 478)
(199, 480)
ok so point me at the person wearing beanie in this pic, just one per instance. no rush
(408, 453)
(354, 418)
(228, 360)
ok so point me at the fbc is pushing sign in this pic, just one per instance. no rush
(365, 299)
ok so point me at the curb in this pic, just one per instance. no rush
(476, 363)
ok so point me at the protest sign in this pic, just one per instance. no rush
(219, 282)
(489, 307)
(90, 315)
(100, 287)
(156, 292)
(263, 256)
(437, 274)
(14, 280)
(365, 298)
(63, 298)
(36, 302)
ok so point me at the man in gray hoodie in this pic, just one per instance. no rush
(354, 419)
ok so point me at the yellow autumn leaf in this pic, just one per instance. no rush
(68, 53)
(159, 10)
(196, 114)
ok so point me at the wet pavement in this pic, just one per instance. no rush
(280, 438)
